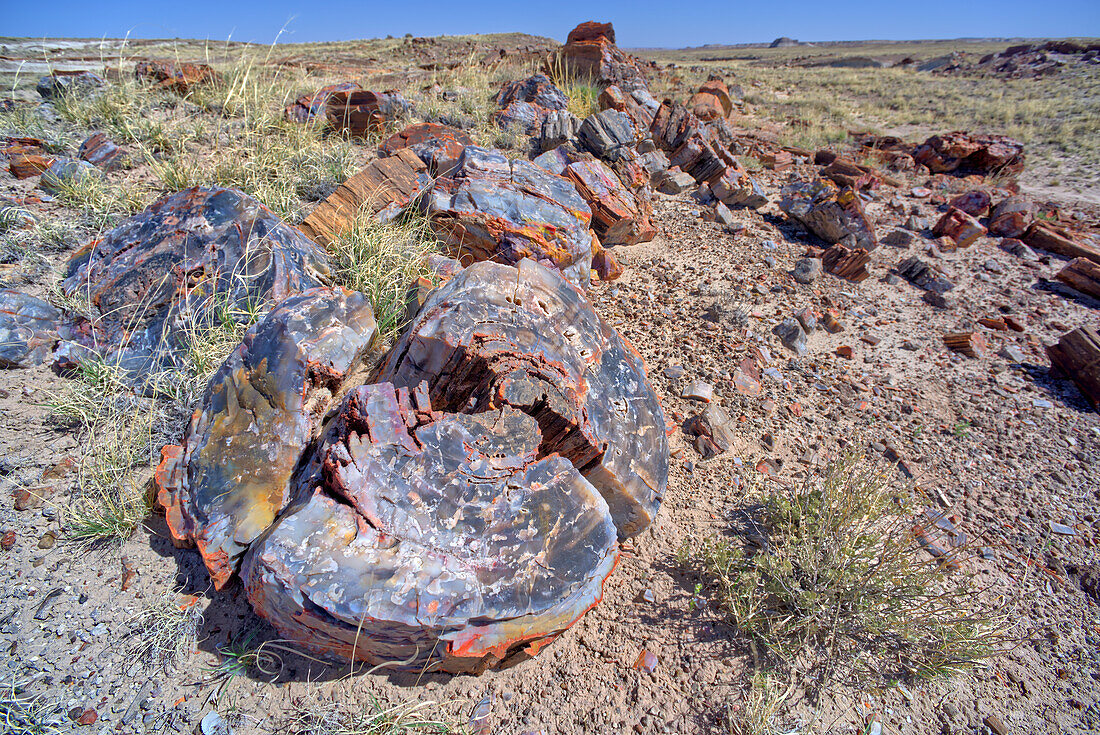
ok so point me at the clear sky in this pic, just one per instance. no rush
(672, 23)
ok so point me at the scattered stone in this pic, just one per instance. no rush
(646, 662)
(898, 239)
(360, 112)
(971, 344)
(1011, 217)
(607, 134)
(831, 323)
(792, 335)
(69, 82)
(1061, 529)
(938, 300)
(214, 724)
(995, 725)
(963, 229)
(29, 329)
(673, 181)
(807, 318)
(923, 275)
(129, 573)
(918, 224)
(1021, 251)
(7, 541)
(713, 431)
(698, 390)
(807, 270)
(845, 351)
(1012, 353)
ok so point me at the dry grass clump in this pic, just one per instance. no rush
(381, 260)
(22, 713)
(166, 629)
(373, 718)
(843, 586)
(583, 92)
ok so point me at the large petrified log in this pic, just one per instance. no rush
(458, 514)
(494, 208)
(1077, 354)
(712, 101)
(830, 213)
(1011, 217)
(187, 258)
(260, 411)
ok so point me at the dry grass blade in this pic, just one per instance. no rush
(26, 714)
(166, 629)
(373, 718)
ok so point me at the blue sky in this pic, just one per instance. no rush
(669, 23)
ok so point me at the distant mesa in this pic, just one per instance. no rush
(784, 42)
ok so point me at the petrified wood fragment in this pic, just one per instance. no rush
(232, 476)
(712, 101)
(847, 263)
(829, 213)
(1083, 275)
(1011, 217)
(186, 258)
(28, 329)
(959, 226)
(1061, 240)
(526, 103)
(438, 146)
(494, 208)
(309, 106)
(590, 53)
(495, 336)
(616, 215)
(384, 182)
(360, 111)
(968, 153)
(101, 152)
(971, 344)
(179, 77)
(1077, 354)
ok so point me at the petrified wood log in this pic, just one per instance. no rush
(1077, 354)
(959, 226)
(590, 52)
(232, 476)
(100, 151)
(187, 257)
(712, 101)
(1011, 217)
(526, 103)
(1061, 240)
(616, 215)
(458, 515)
(847, 263)
(520, 337)
(971, 344)
(968, 153)
(1083, 275)
(494, 208)
(384, 182)
(179, 77)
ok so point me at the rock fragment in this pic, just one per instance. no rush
(1083, 275)
(963, 229)
(177, 76)
(1011, 217)
(101, 152)
(526, 103)
(713, 431)
(971, 344)
(968, 153)
(29, 329)
(309, 107)
(64, 173)
(792, 335)
(1077, 354)
(807, 270)
(616, 216)
(830, 213)
(438, 146)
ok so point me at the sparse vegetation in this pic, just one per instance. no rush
(373, 718)
(166, 629)
(22, 713)
(843, 585)
(381, 260)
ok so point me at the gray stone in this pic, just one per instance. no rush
(898, 239)
(672, 181)
(923, 275)
(64, 171)
(214, 724)
(1012, 353)
(61, 84)
(722, 214)
(560, 126)
(792, 335)
(28, 329)
(698, 390)
(807, 270)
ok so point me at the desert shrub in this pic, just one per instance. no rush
(842, 584)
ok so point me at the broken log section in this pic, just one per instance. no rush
(1077, 354)
(1083, 275)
